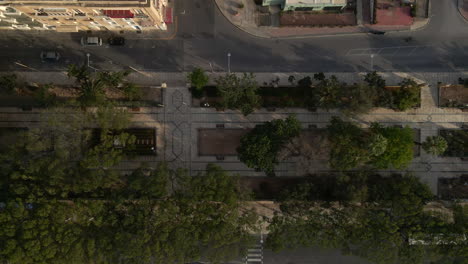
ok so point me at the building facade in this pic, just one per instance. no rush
(75, 15)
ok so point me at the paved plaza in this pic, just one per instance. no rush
(177, 123)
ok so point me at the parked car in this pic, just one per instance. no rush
(116, 41)
(50, 56)
(91, 41)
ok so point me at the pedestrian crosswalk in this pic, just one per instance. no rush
(255, 254)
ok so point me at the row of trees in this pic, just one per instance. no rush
(242, 92)
(91, 87)
(380, 219)
(351, 146)
(64, 201)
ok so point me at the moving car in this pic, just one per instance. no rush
(91, 41)
(50, 56)
(116, 41)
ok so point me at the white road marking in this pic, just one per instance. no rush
(386, 51)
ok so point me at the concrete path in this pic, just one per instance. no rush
(177, 123)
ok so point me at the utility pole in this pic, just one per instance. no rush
(87, 55)
(229, 62)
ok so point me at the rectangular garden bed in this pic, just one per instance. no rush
(219, 141)
(145, 143)
(457, 141)
(455, 96)
(271, 97)
(27, 96)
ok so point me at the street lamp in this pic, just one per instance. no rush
(229, 62)
(372, 62)
(87, 55)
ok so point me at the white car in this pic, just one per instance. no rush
(50, 56)
(91, 41)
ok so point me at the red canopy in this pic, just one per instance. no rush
(118, 13)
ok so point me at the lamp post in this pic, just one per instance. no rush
(372, 62)
(87, 55)
(229, 62)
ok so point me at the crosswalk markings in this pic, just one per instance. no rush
(254, 255)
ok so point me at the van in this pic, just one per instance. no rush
(91, 41)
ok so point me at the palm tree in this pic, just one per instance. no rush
(92, 86)
(435, 145)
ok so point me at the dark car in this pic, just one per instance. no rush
(116, 41)
(50, 56)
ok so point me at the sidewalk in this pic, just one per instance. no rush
(248, 18)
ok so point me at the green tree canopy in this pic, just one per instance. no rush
(435, 145)
(198, 78)
(349, 145)
(239, 92)
(380, 147)
(378, 228)
(92, 85)
(408, 96)
(259, 148)
(399, 151)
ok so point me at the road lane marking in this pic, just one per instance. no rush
(22, 65)
(386, 51)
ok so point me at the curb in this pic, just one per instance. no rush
(320, 35)
(460, 13)
(240, 28)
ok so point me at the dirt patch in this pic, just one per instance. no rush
(289, 19)
(152, 94)
(453, 96)
(219, 141)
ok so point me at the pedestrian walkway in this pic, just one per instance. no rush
(178, 122)
(255, 253)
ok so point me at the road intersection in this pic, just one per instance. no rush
(204, 37)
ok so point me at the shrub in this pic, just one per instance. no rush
(198, 78)
(131, 91)
(8, 83)
(44, 97)
(408, 95)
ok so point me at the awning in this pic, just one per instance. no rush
(168, 15)
(118, 13)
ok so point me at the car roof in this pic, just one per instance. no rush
(93, 39)
(50, 54)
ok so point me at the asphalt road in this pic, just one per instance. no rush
(204, 37)
(310, 256)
